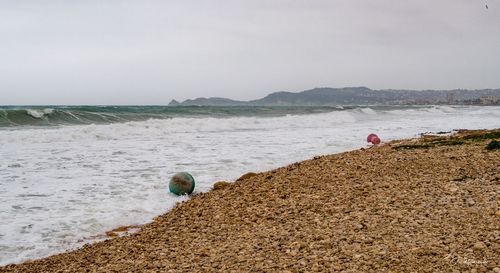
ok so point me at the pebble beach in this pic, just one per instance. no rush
(418, 205)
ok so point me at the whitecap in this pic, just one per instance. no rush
(35, 113)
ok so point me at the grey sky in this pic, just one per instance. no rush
(148, 52)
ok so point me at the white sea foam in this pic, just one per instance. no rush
(61, 185)
(35, 113)
(368, 111)
(39, 113)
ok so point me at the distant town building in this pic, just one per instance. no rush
(450, 98)
(485, 100)
(490, 100)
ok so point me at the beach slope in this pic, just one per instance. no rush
(424, 205)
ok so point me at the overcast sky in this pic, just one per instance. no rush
(149, 52)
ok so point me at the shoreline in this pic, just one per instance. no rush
(425, 204)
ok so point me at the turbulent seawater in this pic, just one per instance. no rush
(70, 173)
(16, 116)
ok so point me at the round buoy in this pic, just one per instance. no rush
(373, 138)
(181, 183)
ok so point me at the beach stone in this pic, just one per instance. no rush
(111, 234)
(181, 183)
(246, 176)
(479, 246)
(220, 185)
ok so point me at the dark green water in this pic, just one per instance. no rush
(13, 116)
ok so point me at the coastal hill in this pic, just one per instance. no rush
(208, 102)
(357, 96)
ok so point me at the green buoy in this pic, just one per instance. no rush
(181, 183)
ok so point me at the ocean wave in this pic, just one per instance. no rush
(78, 115)
(44, 116)
(367, 110)
(63, 116)
(38, 114)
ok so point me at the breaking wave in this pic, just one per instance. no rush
(78, 115)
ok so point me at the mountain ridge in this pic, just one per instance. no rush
(327, 96)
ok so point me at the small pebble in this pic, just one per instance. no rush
(479, 246)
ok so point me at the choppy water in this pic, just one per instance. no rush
(17, 116)
(61, 184)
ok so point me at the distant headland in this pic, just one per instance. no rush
(327, 96)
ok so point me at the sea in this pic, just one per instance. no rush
(68, 174)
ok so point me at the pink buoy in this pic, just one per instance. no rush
(373, 138)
